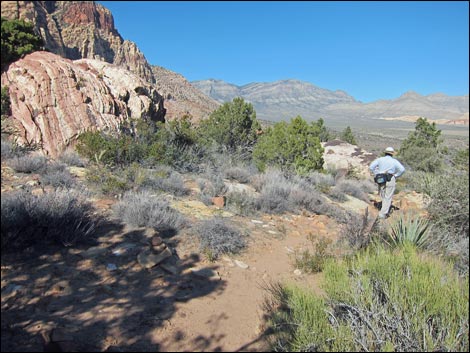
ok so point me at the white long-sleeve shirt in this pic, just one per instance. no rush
(387, 164)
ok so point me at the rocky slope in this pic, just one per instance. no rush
(85, 29)
(181, 98)
(54, 99)
(286, 99)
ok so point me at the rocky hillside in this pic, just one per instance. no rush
(285, 99)
(181, 98)
(54, 99)
(85, 30)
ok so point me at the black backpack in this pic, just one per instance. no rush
(382, 178)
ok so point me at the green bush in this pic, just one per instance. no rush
(147, 143)
(320, 130)
(421, 149)
(6, 111)
(233, 125)
(106, 181)
(313, 262)
(460, 159)
(378, 301)
(18, 39)
(291, 146)
(348, 136)
(111, 150)
(425, 159)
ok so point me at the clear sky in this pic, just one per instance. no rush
(371, 50)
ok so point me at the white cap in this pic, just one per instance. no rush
(389, 150)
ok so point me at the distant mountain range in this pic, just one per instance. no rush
(282, 100)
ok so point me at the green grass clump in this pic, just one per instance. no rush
(381, 300)
(313, 262)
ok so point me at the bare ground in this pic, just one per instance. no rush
(86, 298)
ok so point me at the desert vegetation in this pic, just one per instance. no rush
(18, 39)
(383, 288)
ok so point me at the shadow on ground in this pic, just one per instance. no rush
(75, 299)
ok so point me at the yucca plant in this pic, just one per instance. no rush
(408, 229)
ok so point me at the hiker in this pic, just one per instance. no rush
(386, 170)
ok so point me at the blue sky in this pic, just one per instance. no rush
(371, 50)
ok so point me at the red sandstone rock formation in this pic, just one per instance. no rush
(85, 29)
(54, 99)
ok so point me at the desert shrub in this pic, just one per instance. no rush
(368, 186)
(58, 179)
(211, 185)
(352, 188)
(172, 183)
(6, 124)
(280, 193)
(72, 158)
(313, 262)
(291, 146)
(322, 182)
(422, 182)
(57, 175)
(178, 132)
(309, 199)
(274, 199)
(297, 321)
(275, 192)
(62, 216)
(8, 151)
(378, 301)
(106, 181)
(233, 125)
(134, 174)
(241, 203)
(338, 195)
(240, 174)
(175, 144)
(111, 150)
(217, 237)
(187, 159)
(448, 208)
(270, 176)
(5, 103)
(29, 163)
(460, 159)
(449, 213)
(11, 148)
(354, 231)
(143, 210)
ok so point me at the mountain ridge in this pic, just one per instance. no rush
(291, 97)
